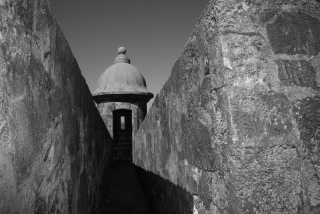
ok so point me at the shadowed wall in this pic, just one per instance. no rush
(54, 147)
(236, 128)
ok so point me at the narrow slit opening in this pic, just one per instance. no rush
(123, 123)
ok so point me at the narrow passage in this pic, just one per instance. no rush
(125, 195)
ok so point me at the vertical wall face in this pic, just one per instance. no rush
(54, 146)
(106, 110)
(236, 128)
(122, 135)
(122, 145)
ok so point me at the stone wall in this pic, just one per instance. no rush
(54, 147)
(106, 111)
(122, 145)
(236, 128)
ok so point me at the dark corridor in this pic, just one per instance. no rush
(125, 195)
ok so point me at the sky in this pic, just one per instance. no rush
(153, 32)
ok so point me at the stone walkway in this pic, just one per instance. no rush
(125, 195)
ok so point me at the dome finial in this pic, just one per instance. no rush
(122, 58)
(122, 50)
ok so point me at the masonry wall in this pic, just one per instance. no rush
(236, 128)
(106, 111)
(122, 146)
(54, 147)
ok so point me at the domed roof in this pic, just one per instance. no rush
(122, 78)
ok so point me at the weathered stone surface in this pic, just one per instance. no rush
(297, 73)
(295, 33)
(235, 129)
(54, 147)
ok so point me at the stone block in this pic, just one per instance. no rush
(295, 33)
(296, 73)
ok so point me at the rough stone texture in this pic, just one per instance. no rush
(54, 147)
(107, 108)
(236, 128)
(137, 105)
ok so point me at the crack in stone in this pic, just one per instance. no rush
(220, 87)
(250, 34)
